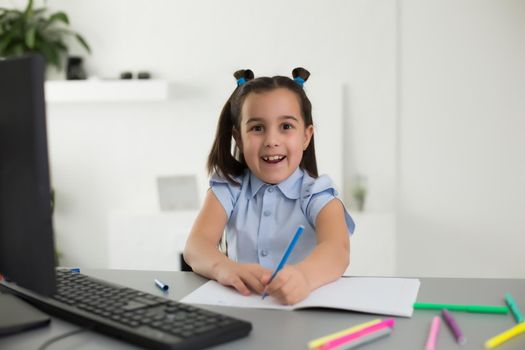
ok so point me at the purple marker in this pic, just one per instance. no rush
(453, 325)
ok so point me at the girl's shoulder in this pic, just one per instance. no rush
(217, 178)
(315, 185)
(219, 181)
(227, 192)
(316, 193)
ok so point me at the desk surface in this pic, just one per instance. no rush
(276, 329)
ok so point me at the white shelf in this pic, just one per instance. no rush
(106, 90)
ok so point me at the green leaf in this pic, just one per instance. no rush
(39, 11)
(28, 12)
(4, 44)
(18, 50)
(51, 54)
(61, 45)
(83, 42)
(58, 16)
(30, 37)
(29, 7)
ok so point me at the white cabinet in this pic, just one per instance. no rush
(154, 241)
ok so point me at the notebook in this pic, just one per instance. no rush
(375, 295)
(17, 316)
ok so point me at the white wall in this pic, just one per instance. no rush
(424, 98)
(462, 127)
(105, 157)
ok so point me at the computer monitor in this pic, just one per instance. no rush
(27, 255)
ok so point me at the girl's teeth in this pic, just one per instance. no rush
(273, 158)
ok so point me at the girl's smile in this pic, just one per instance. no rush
(273, 135)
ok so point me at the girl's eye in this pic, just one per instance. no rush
(257, 128)
(287, 126)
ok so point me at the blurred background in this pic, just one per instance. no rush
(418, 108)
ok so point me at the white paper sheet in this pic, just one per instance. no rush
(385, 296)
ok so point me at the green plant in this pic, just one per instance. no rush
(33, 31)
(359, 193)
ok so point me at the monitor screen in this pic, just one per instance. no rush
(26, 233)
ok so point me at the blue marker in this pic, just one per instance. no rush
(286, 255)
(161, 285)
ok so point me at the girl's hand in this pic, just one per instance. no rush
(243, 277)
(289, 286)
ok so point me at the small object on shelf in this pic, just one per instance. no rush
(75, 71)
(359, 192)
(126, 75)
(144, 75)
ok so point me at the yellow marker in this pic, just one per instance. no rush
(314, 344)
(504, 336)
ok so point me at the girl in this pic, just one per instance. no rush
(263, 191)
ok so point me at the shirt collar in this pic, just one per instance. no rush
(291, 187)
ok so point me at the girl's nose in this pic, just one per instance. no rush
(272, 139)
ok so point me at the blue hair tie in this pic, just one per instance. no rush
(241, 81)
(299, 81)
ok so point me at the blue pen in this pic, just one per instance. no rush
(287, 253)
(164, 287)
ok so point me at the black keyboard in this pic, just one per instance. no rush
(140, 318)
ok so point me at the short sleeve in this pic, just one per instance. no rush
(225, 192)
(316, 195)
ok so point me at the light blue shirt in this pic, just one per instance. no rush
(262, 218)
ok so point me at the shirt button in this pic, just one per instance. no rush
(267, 213)
(270, 189)
(264, 252)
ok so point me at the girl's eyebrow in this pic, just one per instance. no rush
(283, 117)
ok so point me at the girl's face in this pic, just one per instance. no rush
(273, 135)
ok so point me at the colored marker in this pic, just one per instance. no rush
(163, 286)
(367, 339)
(504, 336)
(514, 307)
(346, 339)
(453, 325)
(468, 308)
(314, 344)
(286, 255)
(433, 333)
(75, 269)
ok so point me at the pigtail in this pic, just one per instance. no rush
(220, 159)
(309, 161)
(245, 74)
(300, 75)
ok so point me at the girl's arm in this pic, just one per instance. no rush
(327, 262)
(331, 256)
(203, 255)
(201, 251)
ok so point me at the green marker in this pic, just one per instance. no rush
(514, 307)
(468, 308)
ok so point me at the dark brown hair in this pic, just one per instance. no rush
(228, 164)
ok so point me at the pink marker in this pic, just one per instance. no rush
(334, 343)
(432, 334)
